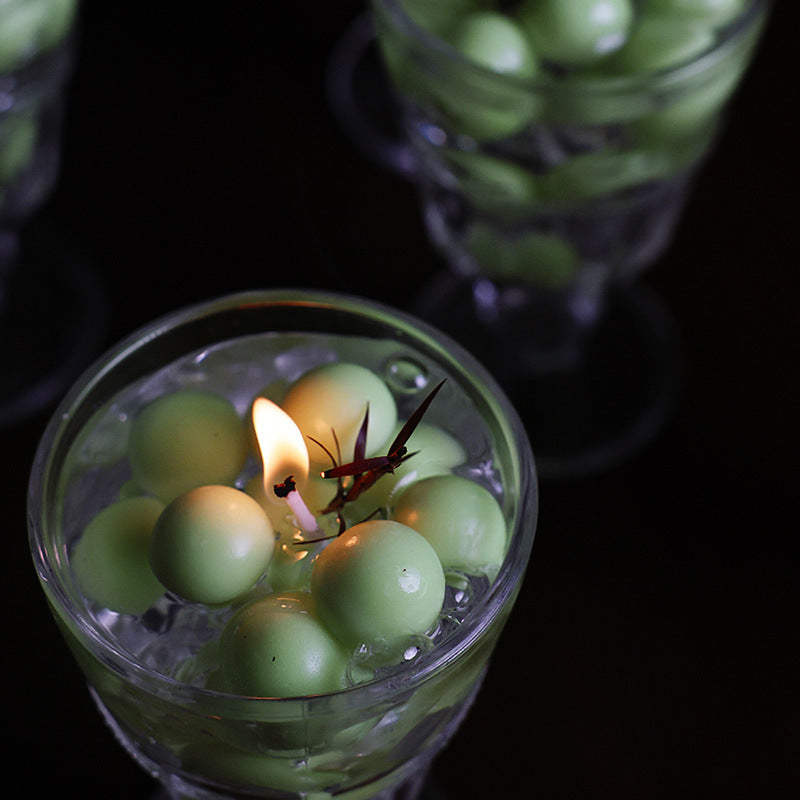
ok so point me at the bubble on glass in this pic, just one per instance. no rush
(410, 653)
(462, 592)
(406, 375)
(458, 591)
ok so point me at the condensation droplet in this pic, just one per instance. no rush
(406, 375)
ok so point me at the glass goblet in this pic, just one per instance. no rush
(51, 306)
(149, 671)
(553, 160)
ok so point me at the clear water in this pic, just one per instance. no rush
(176, 637)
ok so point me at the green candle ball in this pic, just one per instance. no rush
(17, 146)
(592, 175)
(111, 559)
(659, 43)
(479, 108)
(576, 32)
(543, 259)
(494, 41)
(714, 12)
(336, 396)
(377, 583)
(30, 27)
(186, 439)
(461, 519)
(276, 647)
(211, 544)
(439, 16)
(21, 26)
(228, 764)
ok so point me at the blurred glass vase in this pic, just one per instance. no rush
(553, 145)
(49, 304)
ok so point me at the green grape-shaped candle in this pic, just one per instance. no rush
(378, 582)
(111, 559)
(211, 544)
(494, 42)
(460, 518)
(186, 439)
(276, 647)
(577, 32)
(336, 397)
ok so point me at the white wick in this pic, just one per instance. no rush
(288, 491)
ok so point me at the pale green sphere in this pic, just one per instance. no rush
(461, 519)
(186, 439)
(493, 184)
(30, 27)
(478, 106)
(336, 396)
(60, 18)
(378, 582)
(17, 146)
(659, 43)
(713, 12)
(276, 647)
(540, 258)
(494, 41)
(546, 259)
(591, 175)
(21, 26)
(222, 762)
(111, 559)
(438, 16)
(575, 32)
(211, 544)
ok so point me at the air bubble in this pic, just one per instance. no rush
(458, 591)
(406, 375)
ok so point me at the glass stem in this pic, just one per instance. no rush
(540, 330)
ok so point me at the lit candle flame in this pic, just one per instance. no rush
(283, 449)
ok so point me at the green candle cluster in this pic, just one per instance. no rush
(553, 124)
(560, 42)
(523, 37)
(196, 523)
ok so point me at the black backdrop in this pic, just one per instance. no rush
(650, 653)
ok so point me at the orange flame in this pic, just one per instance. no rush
(283, 449)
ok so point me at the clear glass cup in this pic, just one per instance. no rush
(373, 740)
(549, 189)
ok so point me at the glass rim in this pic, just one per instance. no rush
(731, 36)
(69, 604)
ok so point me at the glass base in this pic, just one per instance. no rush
(53, 314)
(590, 409)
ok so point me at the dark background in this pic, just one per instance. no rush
(652, 652)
